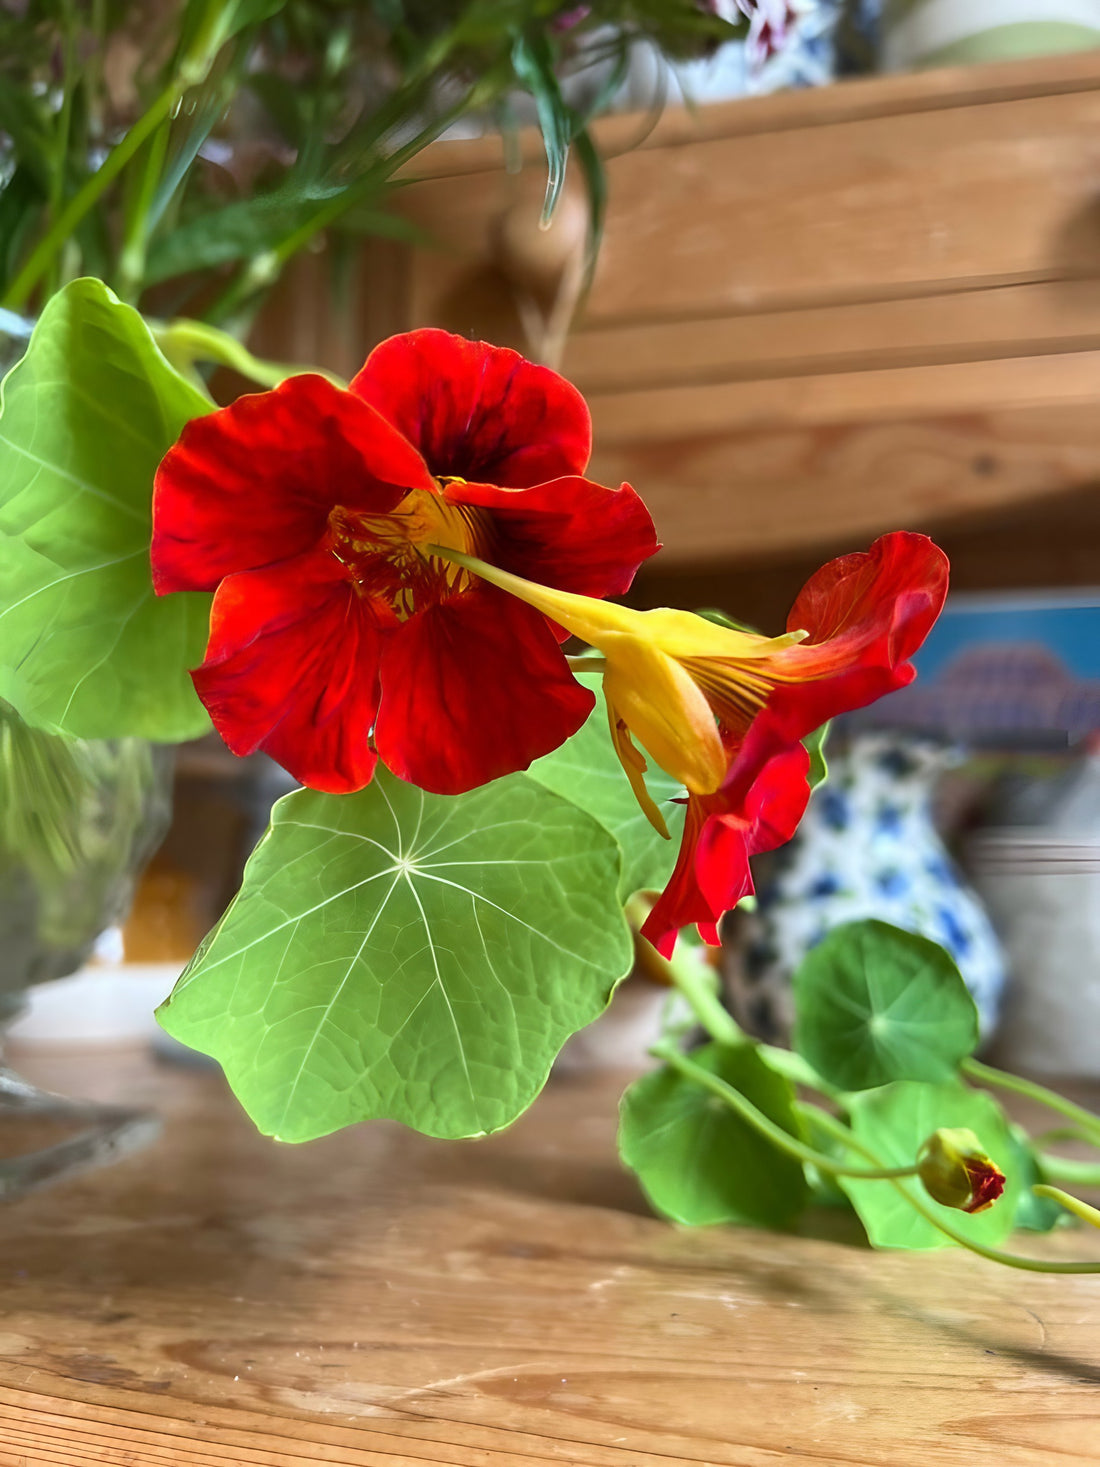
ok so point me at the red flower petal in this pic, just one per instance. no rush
(721, 832)
(866, 615)
(569, 533)
(254, 482)
(292, 669)
(474, 688)
(478, 411)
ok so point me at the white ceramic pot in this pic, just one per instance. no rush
(925, 33)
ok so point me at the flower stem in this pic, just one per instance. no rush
(987, 1075)
(683, 972)
(1080, 1209)
(768, 1128)
(841, 1133)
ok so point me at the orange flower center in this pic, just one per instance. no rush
(386, 556)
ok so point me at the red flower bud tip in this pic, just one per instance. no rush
(956, 1172)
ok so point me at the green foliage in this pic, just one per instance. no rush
(85, 646)
(415, 956)
(876, 1003)
(587, 771)
(698, 1161)
(894, 1121)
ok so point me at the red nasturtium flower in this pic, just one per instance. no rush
(336, 637)
(724, 710)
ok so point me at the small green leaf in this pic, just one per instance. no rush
(875, 1003)
(416, 956)
(587, 771)
(533, 61)
(85, 646)
(894, 1122)
(815, 747)
(697, 1160)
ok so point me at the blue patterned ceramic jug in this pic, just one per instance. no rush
(867, 847)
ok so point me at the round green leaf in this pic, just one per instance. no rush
(85, 418)
(875, 1003)
(697, 1160)
(586, 770)
(894, 1122)
(421, 957)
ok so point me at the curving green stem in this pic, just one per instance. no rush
(987, 1075)
(185, 342)
(839, 1132)
(1080, 1209)
(776, 1134)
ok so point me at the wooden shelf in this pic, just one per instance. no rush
(816, 315)
(378, 1299)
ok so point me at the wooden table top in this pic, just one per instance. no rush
(378, 1298)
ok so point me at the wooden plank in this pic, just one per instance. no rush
(845, 398)
(848, 100)
(749, 492)
(907, 205)
(1010, 321)
(378, 1299)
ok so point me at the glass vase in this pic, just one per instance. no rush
(79, 819)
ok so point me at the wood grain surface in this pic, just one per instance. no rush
(378, 1298)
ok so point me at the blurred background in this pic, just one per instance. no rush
(821, 270)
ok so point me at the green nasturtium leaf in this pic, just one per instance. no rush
(587, 771)
(394, 953)
(894, 1122)
(875, 1003)
(697, 1160)
(85, 646)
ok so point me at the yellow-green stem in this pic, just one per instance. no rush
(1080, 1209)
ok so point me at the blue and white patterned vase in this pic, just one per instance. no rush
(867, 847)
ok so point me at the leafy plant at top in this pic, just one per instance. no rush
(85, 646)
(697, 1160)
(894, 1121)
(415, 956)
(875, 1003)
(108, 167)
(587, 771)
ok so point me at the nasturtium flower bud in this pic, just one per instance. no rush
(956, 1172)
